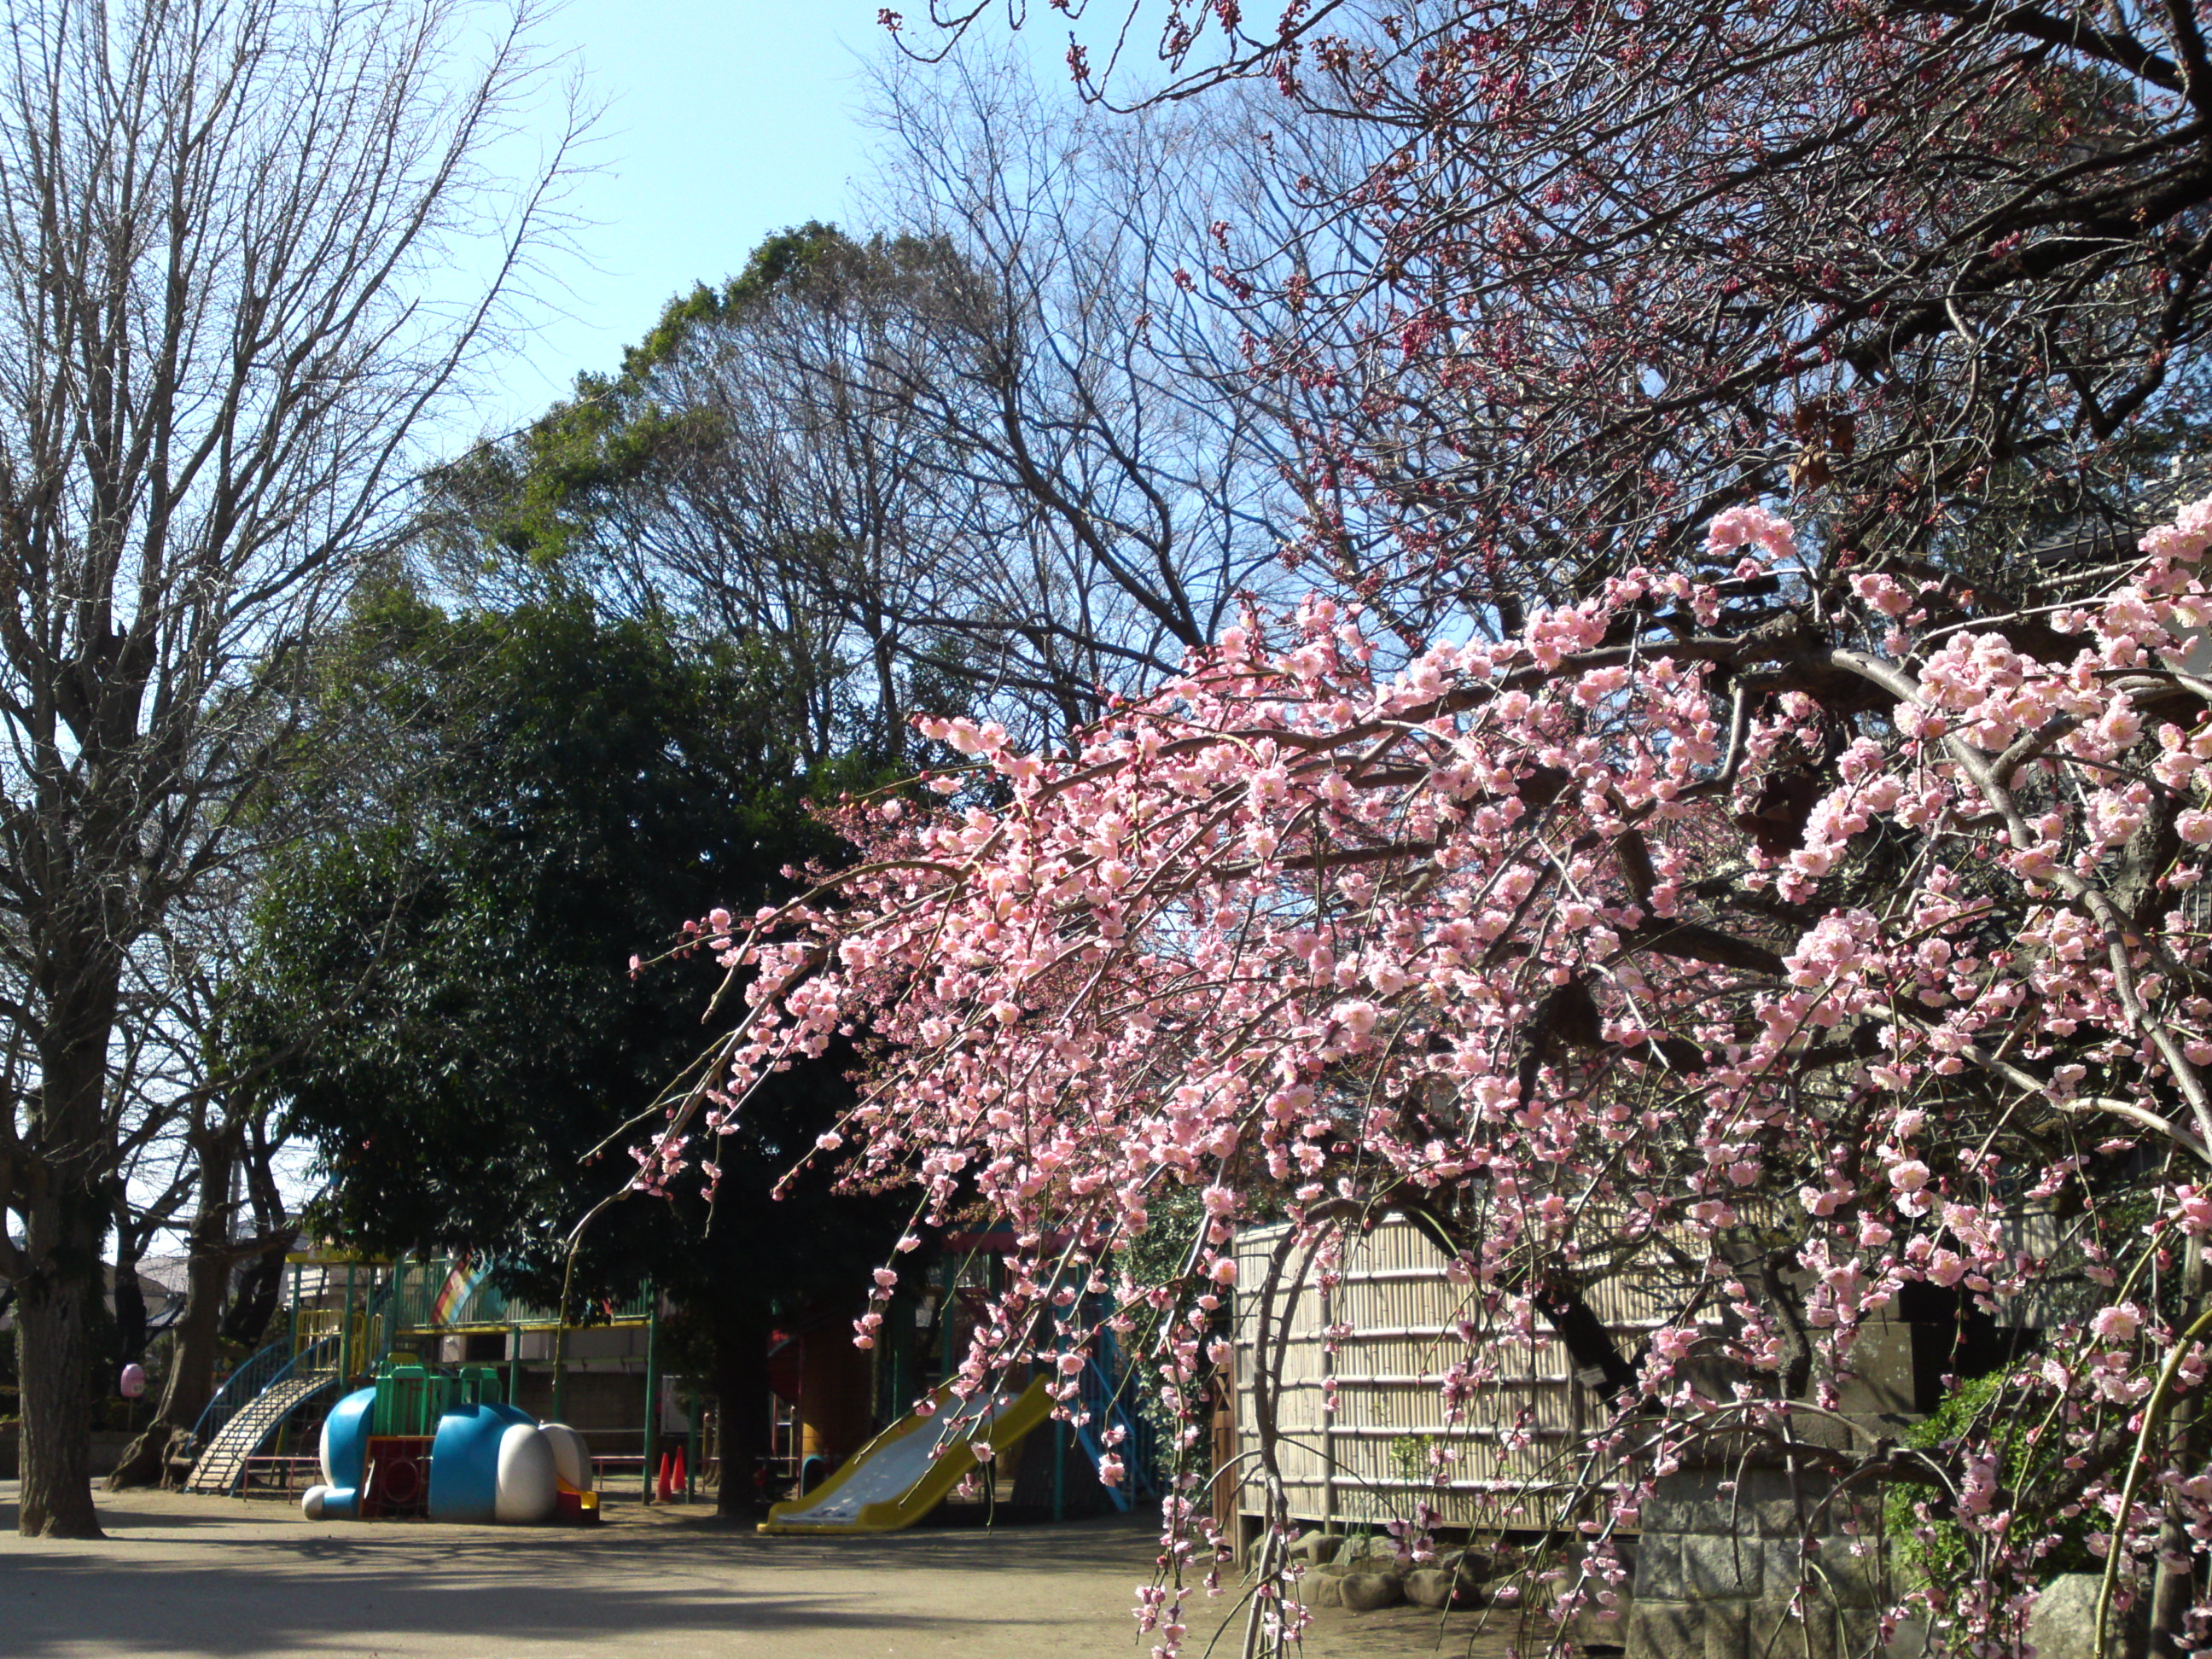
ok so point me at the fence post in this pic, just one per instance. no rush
(1326, 1305)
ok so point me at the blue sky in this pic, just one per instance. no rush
(727, 119)
(724, 121)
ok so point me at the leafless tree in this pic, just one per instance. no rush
(1144, 486)
(246, 250)
(213, 1130)
(992, 450)
(1544, 290)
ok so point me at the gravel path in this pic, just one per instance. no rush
(188, 1578)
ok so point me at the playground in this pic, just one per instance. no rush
(184, 1575)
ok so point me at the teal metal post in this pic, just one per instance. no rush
(652, 1393)
(691, 1449)
(1059, 1469)
(560, 1372)
(345, 1333)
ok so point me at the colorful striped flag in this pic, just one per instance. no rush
(462, 1282)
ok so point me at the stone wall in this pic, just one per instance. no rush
(108, 1446)
(1717, 1572)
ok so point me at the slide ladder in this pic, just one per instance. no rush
(221, 1465)
(260, 1397)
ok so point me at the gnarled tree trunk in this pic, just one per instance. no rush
(65, 1220)
(207, 1274)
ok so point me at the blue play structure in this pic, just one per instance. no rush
(446, 1445)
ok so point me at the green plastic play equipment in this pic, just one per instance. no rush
(445, 1445)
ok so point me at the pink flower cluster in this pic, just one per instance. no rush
(1569, 942)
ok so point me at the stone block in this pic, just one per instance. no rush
(1599, 1629)
(1326, 1590)
(1722, 1567)
(1364, 1592)
(1845, 1577)
(1315, 1548)
(1682, 1503)
(1781, 1559)
(1431, 1587)
(1764, 1501)
(1775, 1517)
(1755, 1506)
(1479, 1565)
(1360, 1553)
(1773, 1630)
(1659, 1567)
(2063, 1624)
(1728, 1631)
(1881, 1381)
(1826, 1631)
(1696, 1567)
(1666, 1630)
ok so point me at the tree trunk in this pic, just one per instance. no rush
(263, 1284)
(65, 1222)
(2174, 1589)
(196, 1341)
(129, 1299)
(54, 1362)
(741, 1337)
(259, 1290)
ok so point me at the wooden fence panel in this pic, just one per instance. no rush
(1386, 1448)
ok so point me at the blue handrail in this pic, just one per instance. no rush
(240, 1386)
(1139, 1448)
(269, 1366)
(315, 1357)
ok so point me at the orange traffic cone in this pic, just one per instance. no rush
(661, 1489)
(683, 1476)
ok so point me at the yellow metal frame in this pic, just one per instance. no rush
(951, 1468)
(365, 1336)
(502, 1326)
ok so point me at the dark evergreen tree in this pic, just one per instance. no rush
(560, 791)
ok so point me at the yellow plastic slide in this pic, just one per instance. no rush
(900, 1476)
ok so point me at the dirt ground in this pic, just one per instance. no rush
(178, 1577)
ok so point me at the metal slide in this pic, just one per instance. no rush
(906, 1471)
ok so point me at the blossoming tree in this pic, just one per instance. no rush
(1835, 906)
(1544, 287)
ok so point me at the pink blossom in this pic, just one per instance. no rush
(1605, 960)
(2118, 1324)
